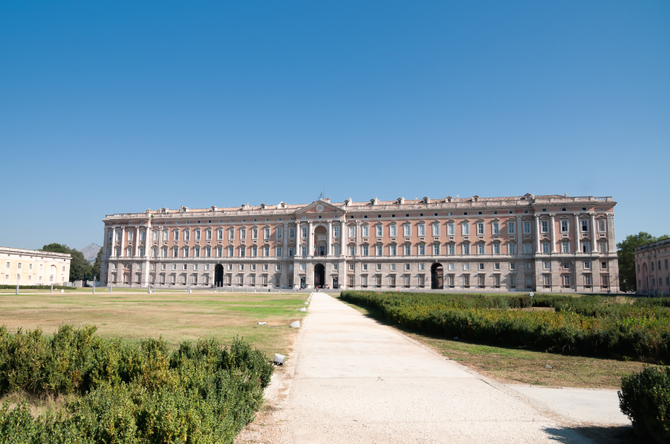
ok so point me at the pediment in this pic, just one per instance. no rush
(315, 206)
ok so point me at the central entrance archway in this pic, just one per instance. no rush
(319, 275)
(436, 276)
(218, 276)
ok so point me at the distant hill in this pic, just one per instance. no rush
(90, 251)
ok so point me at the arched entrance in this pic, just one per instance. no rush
(218, 276)
(319, 275)
(436, 276)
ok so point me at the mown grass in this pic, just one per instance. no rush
(174, 316)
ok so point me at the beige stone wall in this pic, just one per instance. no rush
(545, 243)
(652, 268)
(33, 267)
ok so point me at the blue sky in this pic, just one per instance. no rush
(121, 106)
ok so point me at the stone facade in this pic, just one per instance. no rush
(651, 268)
(542, 243)
(33, 267)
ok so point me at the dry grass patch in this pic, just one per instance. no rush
(174, 316)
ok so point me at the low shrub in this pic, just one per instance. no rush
(199, 393)
(591, 326)
(645, 399)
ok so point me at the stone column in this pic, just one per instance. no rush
(594, 234)
(537, 233)
(343, 238)
(610, 234)
(137, 242)
(358, 237)
(123, 240)
(329, 234)
(310, 239)
(577, 235)
(552, 227)
(519, 236)
(285, 234)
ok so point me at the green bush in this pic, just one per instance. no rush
(199, 393)
(645, 399)
(589, 325)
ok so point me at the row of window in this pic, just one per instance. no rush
(364, 250)
(660, 282)
(652, 266)
(480, 229)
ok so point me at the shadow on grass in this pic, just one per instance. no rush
(597, 434)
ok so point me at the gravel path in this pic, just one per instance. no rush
(353, 380)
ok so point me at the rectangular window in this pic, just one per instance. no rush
(176, 234)
(512, 266)
(601, 225)
(303, 231)
(280, 232)
(527, 249)
(366, 250)
(603, 265)
(266, 251)
(243, 233)
(278, 251)
(511, 227)
(466, 266)
(544, 226)
(230, 251)
(546, 265)
(393, 230)
(466, 280)
(545, 247)
(352, 231)
(352, 250)
(291, 233)
(392, 250)
(450, 229)
(584, 224)
(407, 229)
(466, 248)
(243, 251)
(219, 234)
(586, 247)
(231, 233)
(421, 250)
(436, 249)
(481, 265)
(495, 228)
(197, 235)
(480, 229)
(336, 250)
(436, 229)
(564, 225)
(511, 248)
(208, 235)
(336, 231)
(565, 247)
(527, 228)
(603, 247)
(365, 232)
(421, 229)
(392, 267)
(496, 248)
(451, 249)
(465, 228)
(481, 249)
(266, 233)
(378, 249)
(408, 250)
(378, 230)
(304, 251)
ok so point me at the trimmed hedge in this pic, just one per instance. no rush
(200, 393)
(645, 399)
(591, 326)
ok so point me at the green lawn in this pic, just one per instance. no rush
(175, 316)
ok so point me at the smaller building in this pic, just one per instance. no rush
(652, 268)
(33, 267)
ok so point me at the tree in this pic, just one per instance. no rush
(96, 265)
(625, 253)
(79, 268)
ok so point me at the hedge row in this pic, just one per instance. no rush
(589, 327)
(200, 393)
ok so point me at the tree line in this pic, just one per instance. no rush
(80, 269)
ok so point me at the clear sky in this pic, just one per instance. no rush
(120, 106)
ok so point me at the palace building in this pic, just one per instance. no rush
(33, 267)
(651, 268)
(541, 243)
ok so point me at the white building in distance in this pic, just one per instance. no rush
(33, 267)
